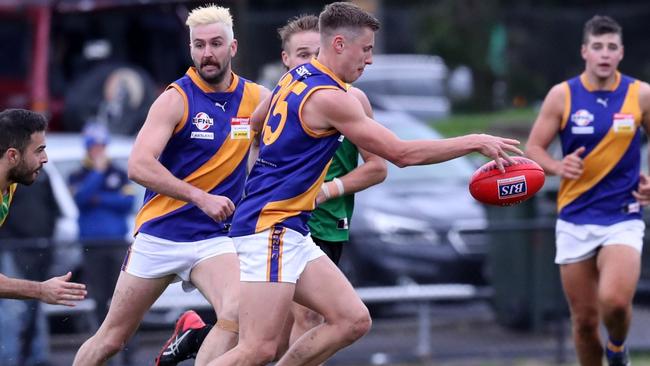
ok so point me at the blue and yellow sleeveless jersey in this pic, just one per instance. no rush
(208, 149)
(282, 186)
(606, 123)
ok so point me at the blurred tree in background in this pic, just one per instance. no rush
(517, 50)
(460, 31)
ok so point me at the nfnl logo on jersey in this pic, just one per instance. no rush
(512, 187)
(202, 121)
(582, 118)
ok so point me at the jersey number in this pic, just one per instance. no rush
(279, 107)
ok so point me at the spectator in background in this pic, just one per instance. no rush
(104, 196)
(27, 235)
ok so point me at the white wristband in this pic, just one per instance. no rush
(339, 185)
(326, 190)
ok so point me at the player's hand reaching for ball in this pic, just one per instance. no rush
(497, 148)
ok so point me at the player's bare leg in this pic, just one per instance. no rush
(323, 288)
(285, 334)
(263, 310)
(218, 280)
(619, 267)
(580, 282)
(132, 298)
(304, 320)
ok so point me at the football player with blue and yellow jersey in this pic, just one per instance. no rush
(191, 155)
(335, 201)
(599, 117)
(22, 155)
(303, 123)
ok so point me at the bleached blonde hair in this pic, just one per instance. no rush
(210, 14)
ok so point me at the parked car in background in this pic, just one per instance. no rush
(420, 225)
(415, 84)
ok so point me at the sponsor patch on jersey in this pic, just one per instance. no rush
(202, 135)
(240, 128)
(582, 118)
(512, 187)
(202, 121)
(623, 123)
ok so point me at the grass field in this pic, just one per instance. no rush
(517, 121)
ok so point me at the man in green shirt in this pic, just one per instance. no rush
(22, 155)
(330, 220)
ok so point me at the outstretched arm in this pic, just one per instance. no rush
(56, 290)
(372, 171)
(332, 108)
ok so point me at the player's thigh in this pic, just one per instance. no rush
(263, 310)
(580, 283)
(323, 288)
(619, 267)
(132, 298)
(218, 279)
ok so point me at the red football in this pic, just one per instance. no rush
(520, 181)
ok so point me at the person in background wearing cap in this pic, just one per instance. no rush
(104, 196)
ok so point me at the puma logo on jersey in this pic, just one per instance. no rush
(602, 101)
(222, 106)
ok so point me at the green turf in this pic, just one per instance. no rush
(517, 121)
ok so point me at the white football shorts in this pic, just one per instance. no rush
(153, 257)
(575, 243)
(275, 255)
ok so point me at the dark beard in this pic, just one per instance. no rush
(218, 78)
(21, 174)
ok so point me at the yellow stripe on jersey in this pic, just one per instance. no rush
(567, 106)
(604, 157)
(214, 171)
(208, 176)
(186, 107)
(306, 128)
(249, 101)
(275, 212)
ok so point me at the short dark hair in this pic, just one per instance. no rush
(17, 126)
(599, 25)
(345, 15)
(301, 23)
